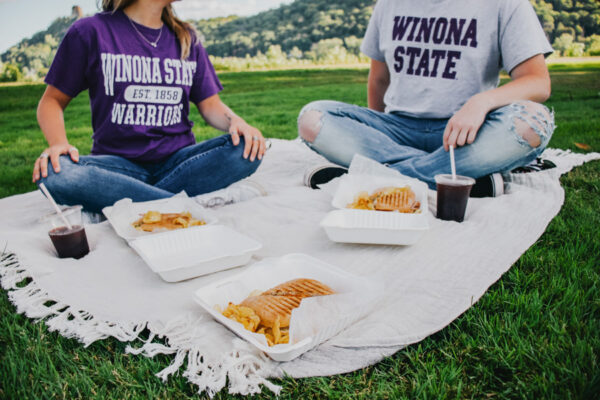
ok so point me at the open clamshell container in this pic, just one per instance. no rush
(375, 227)
(124, 212)
(316, 320)
(188, 253)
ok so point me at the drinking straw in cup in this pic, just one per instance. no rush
(51, 199)
(66, 230)
(452, 163)
(452, 193)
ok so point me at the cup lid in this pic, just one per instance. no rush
(460, 180)
(67, 211)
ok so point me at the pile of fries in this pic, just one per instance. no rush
(247, 317)
(153, 220)
(399, 199)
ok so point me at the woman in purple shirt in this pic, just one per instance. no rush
(142, 67)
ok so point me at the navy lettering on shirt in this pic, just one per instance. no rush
(431, 63)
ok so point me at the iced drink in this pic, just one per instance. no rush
(68, 242)
(452, 196)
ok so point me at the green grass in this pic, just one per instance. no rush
(535, 334)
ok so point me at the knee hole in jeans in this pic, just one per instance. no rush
(532, 122)
(309, 125)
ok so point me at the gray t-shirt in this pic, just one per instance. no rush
(442, 52)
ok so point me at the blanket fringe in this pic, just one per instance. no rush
(245, 369)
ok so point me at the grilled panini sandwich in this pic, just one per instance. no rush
(277, 303)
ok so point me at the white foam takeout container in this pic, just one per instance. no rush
(124, 212)
(200, 250)
(375, 227)
(315, 321)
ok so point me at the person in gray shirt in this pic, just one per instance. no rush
(433, 83)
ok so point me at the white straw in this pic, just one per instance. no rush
(49, 196)
(452, 163)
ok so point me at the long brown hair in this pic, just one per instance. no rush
(182, 29)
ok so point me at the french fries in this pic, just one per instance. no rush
(248, 318)
(154, 220)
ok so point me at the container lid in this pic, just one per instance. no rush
(66, 211)
(459, 180)
(195, 246)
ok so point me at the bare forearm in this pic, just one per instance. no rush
(530, 81)
(217, 114)
(534, 88)
(379, 81)
(376, 92)
(50, 117)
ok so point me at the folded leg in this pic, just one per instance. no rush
(96, 182)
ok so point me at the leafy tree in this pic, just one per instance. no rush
(295, 53)
(11, 73)
(592, 45)
(567, 46)
(318, 30)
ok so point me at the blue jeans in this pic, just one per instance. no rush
(99, 181)
(414, 146)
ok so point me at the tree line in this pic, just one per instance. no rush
(306, 32)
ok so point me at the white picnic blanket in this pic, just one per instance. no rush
(112, 292)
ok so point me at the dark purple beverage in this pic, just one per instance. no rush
(70, 243)
(452, 197)
(452, 202)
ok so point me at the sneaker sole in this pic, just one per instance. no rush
(325, 175)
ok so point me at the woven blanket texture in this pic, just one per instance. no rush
(112, 293)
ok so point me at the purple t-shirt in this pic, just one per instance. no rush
(140, 95)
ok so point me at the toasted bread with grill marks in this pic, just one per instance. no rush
(269, 308)
(397, 199)
(300, 287)
(279, 301)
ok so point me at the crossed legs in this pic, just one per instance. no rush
(510, 137)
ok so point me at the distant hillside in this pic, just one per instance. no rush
(34, 55)
(309, 30)
(299, 24)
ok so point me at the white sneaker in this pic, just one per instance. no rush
(90, 218)
(235, 193)
(315, 176)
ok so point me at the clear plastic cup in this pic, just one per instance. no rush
(69, 243)
(452, 196)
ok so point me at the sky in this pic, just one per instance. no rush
(20, 19)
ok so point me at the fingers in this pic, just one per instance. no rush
(472, 136)
(74, 153)
(262, 149)
(445, 136)
(248, 142)
(254, 143)
(257, 142)
(235, 136)
(447, 132)
(36, 170)
(44, 165)
(40, 167)
(259, 145)
(55, 160)
(461, 138)
(452, 137)
(458, 135)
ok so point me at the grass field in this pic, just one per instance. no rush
(535, 334)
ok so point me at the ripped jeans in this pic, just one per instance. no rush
(99, 181)
(510, 137)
